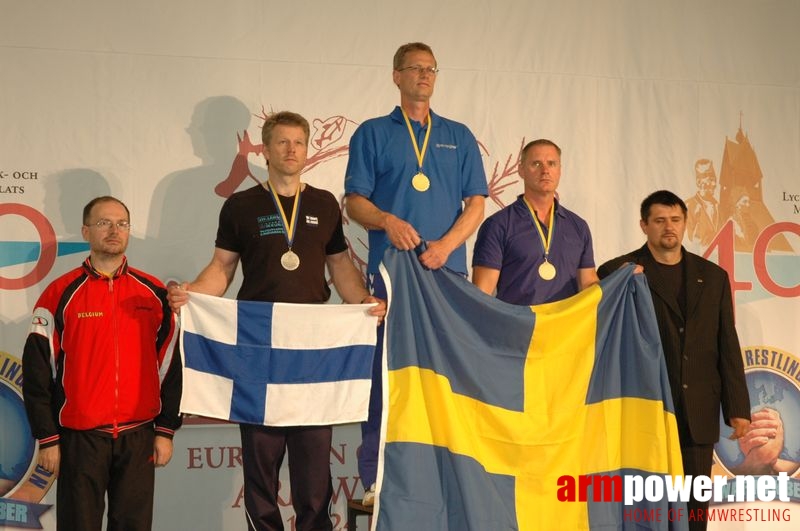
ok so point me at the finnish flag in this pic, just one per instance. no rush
(276, 364)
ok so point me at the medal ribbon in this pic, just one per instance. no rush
(545, 241)
(420, 154)
(288, 227)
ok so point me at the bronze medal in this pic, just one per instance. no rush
(547, 271)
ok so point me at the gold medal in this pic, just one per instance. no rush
(547, 271)
(420, 182)
(290, 261)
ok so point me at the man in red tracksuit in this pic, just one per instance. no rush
(101, 384)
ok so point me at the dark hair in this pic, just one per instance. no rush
(539, 142)
(401, 52)
(661, 197)
(87, 210)
(283, 118)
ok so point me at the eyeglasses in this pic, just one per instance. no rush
(550, 164)
(106, 224)
(419, 70)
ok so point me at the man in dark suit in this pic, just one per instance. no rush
(694, 310)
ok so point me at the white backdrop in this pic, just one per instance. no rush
(150, 101)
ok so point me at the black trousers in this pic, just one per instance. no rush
(309, 448)
(93, 464)
(697, 460)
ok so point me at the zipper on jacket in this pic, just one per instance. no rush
(115, 325)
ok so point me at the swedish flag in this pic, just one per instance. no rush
(489, 404)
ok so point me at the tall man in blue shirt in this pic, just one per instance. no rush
(412, 176)
(535, 250)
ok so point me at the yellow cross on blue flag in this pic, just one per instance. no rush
(492, 410)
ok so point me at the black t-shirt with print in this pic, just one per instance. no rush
(250, 225)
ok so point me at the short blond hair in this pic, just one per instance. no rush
(283, 118)
(539, 142)
(401, 52)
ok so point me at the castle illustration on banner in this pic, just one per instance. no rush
(740, 200)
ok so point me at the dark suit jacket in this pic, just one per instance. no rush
(704, 359)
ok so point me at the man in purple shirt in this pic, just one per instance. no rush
(534, 250)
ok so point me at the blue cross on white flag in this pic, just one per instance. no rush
(276, 364)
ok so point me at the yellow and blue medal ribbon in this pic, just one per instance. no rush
(289, 260)
(546, 270)
(420, 181)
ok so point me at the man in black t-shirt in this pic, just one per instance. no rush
(284, 233)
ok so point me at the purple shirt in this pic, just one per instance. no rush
(509, 242)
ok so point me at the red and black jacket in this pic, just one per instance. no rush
(100, 356)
